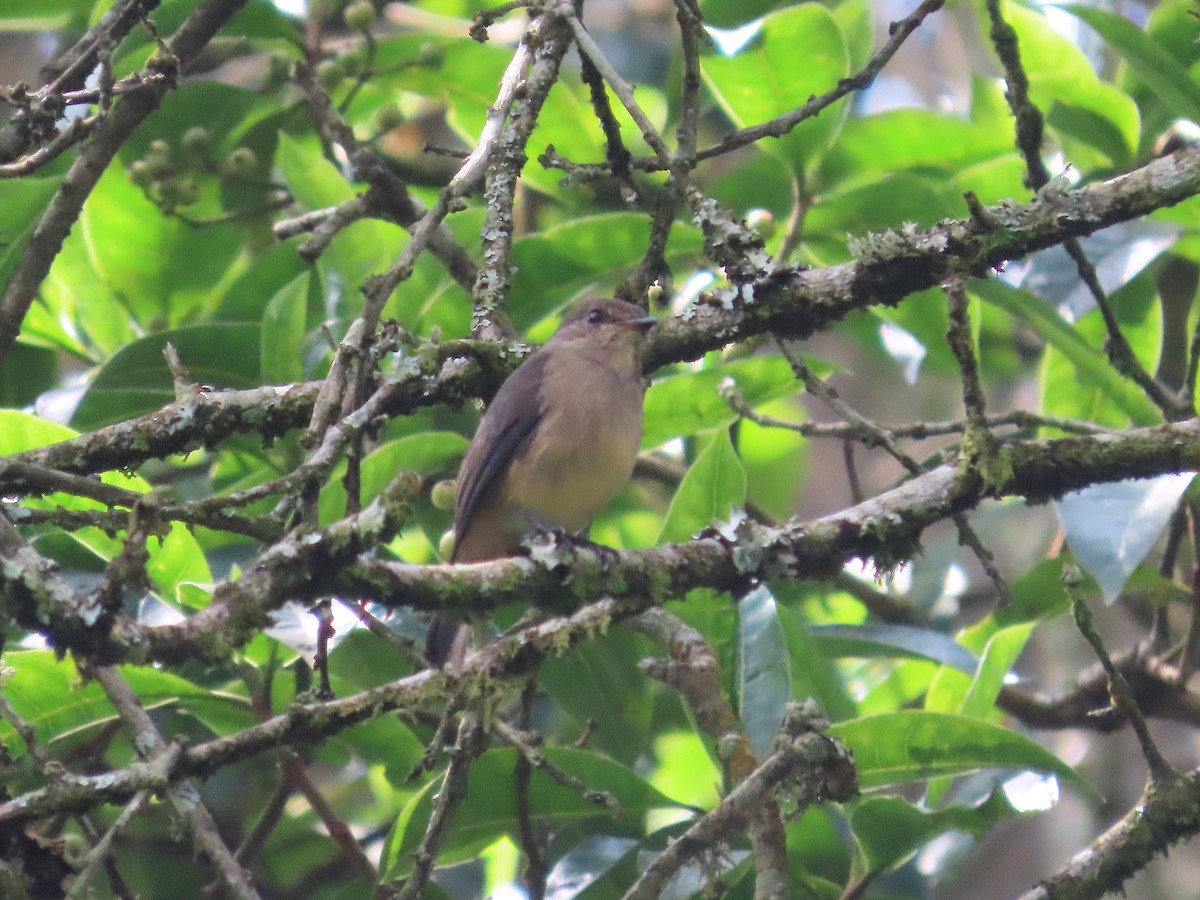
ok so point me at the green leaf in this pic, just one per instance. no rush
(489, 810)
(79, 308)
(174, 561)
(999, 656)
(687, 403)
(47, 694)
(37, 15)
(1111, 527)
(889, 830)
(591, 253)
(763, 677)
(813, 675)
(24, 201)
(363, 248)
(600, 682)
(1060, 74)
(911, 745)
(977, 697)
(148, 260)
(713, 486)
(429, 453)
(893, 642)
(137, 380)
(1091, 365)
(282, 336)
(910, 139)
(27, 372)
(1154, 64)
(760, 79)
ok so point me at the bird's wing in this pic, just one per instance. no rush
(504, 429)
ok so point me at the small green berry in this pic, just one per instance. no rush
(197, 142)
(187, 191)
(241, 163)
(330, 73)
(359, 15)
(140, 174)
(443, 494)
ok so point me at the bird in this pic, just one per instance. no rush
(557, 443)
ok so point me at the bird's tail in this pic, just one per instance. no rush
(446, 642)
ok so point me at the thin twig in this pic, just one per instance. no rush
(184, 796)
(1189, 656)
(101, 852)
(73, 134)
(297, 775)
(829, 774)
(1029, 135)
(879, 437)
(898, 33)
(453, 791)
(524, 744)
(536, 867)
(624, 92)
(1119, 690)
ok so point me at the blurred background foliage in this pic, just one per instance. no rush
(175, 244)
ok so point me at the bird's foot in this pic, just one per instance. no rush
(554, 547)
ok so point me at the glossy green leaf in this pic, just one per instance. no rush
(893, 641)
(889, 830)
(1060, 73)
(686, 403)
(36, 15)
(174, 560)
(136, 380)
(713, 487)
(999, 656)
(24, 201)
(1154, 64)
(364, 248)
(282, 336)
(813, 674)
(592, 253)
(27, 371)
(776, 460)
(1111, 527)
(910, 139)
(430, 453)
(49, 695)
(80, 309)
(1090, 363)
(763, 678)
(587, 863)
(600, 682)
(902, 747)
(489, 811)
(1140, 316)
(153, 269)
(951, 691)
(760, 80)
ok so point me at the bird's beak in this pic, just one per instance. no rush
(643, 323)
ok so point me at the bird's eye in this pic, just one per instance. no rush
(595, 317)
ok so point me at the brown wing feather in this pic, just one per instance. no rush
(506, 426)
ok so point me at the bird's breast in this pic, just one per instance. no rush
(585, 445)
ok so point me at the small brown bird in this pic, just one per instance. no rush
(555, 446)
